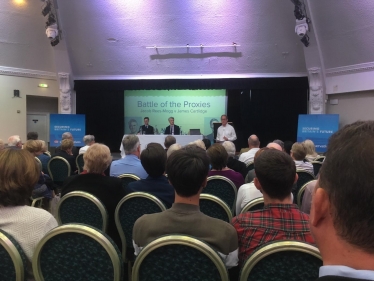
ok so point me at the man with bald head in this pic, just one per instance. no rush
(274, 145)
(254, 146)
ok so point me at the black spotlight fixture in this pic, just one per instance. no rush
(298, 12)
(55, 41)
(51, 20)
(47, 8)
(305, 40)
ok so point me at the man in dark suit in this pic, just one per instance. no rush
(68, 136)
(172, 129)
(146, 129)
(341, 216)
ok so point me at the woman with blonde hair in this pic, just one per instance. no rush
(311, 153)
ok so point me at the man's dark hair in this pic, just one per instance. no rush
(348, 178)
(187, 169)
(207, 143)
(32, 136)
(169, 140)
(153, 159)
(218, 156)
(276, 171)
(146, 118)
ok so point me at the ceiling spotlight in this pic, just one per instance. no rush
(55, 41)
(298, 12)
(305, 40)
(47, 8)
(52, 31)
(301, 27)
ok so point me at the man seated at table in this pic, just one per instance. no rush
(146, 129)
(172, 129)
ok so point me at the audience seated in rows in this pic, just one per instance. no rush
(131, 163)
(88, 141)
(32, 136)
(108, 190)
(232, 162)
(74, 149)
(341, 215)
(279, 219)
(14, 142)
(66, 151)
(172, 148)
(19, 172)
(198, 143)
(218, 159)
(187, 170)
(253, 147)
(298, 153)
(153, 159)
(311, 153)
(169, 140)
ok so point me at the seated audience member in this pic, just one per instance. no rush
(187, 169)
(2, 145)
(153, 159)
(44, 158)
(287, 147)
(14, 142)
(232, 162)
(68, 136)
(273, 145)
(88, 141)
(254, 146)
(307, 198)
(32, 136)
(108, 190)
(311, 153)
(218, 159)
(207, 143)
(341, 216)
(172, 148)
(169, 140)
(281, 143)
(279, 219)
(198, 143)
(131, 163)
(66, 152)
(19, 172)
(298, 153)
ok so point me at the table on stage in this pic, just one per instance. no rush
(146, 139)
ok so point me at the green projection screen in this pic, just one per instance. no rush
(191, 109)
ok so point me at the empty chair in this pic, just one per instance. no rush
(178, 257)
(255, 204)
(59, 169)
(127, 178)
(80, 163)
(214, 207)
(77, 252)
(282, 260)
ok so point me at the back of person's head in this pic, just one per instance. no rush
(207, 143)
(172, 148)
(19, 172)
(281, 143)
(298, 151)
(2, 145)
(260, 151)
(66, 135)
(276, 172)
(288, 146)
(44, 146)
(187, 170)
(218, 156)
(230, 148)
(310, 148)
(153, 159)
(169, 140)
(198, 143)
(32, 136)
(253, 141)
(97, 158)
(130, 144)
(348, 179)
(34, 146)
(88, 139)
(67, 144)
(14, 141)
(273, 145)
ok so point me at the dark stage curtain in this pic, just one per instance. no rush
(267, 107)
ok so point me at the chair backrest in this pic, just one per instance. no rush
(47, 153)
(300, 194)
(13, 265)
(39, 163)
(320, 158)
(59, 169)
(250, 165)
(37, 202)
(214, 207)
(129, 209)
(282, 260)
(223, 188)
(82, 207)
(316, 166)
(304, 177)
(80, 162)
(180, 257)
(127, 178)
(255, 204)
(77, 252)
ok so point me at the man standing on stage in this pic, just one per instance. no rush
(146, 129)
(225, 132)
(172, 129)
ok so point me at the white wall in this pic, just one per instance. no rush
(352, 106)
(13, 123)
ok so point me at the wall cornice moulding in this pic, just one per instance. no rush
(348, 69)
(31, 73)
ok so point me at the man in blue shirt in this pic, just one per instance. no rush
(341, 217)
(131, 163)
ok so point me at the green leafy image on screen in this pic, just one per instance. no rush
(191, 109)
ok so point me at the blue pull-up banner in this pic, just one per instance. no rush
(318, 128)
(72, 123)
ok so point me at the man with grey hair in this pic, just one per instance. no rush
(67, 136)
(15, 142)
(254, 146)
(169, 140)
(88, 140)
(172, 148)
(232, 162)
(131, 163)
